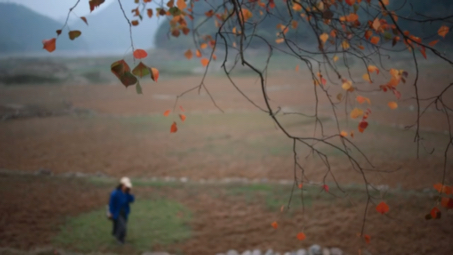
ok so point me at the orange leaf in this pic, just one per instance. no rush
(352, 17)
(386, 2)
(346, 84)
(393, 105)
(274, 225)
(166, 113)
(181, 4)
(366, 77)
(433, 43)
(350, 2)
(204, 61)
(49, 45)
(173, 128)
(134, 23)
(198, 54)
(324, 37)
(362, 99)
(376, 24)
(367, 238)
(84, 20)
(362, 126)
(139, 54)
(301, 236)
(382, 208)
(438, 187)
(447, 202)
(203, 45)
(294, 24)
(279, 40)
(375, 39)
(154, 74)
(368, 34)
(300, 185)
(443, 31)
(343, 133)
(372, 68)
(149, 12)
(188, 54)
(182, 117)
(435, 213)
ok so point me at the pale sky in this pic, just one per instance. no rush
(58, 9)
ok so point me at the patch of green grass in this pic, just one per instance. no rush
(151, 222)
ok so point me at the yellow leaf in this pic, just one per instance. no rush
(324, 37)
(346, 84)
(345, 45)
(335, 58)
(356, 112)
(366, 77)
(443, 31)
(279, 40)
(393, 105)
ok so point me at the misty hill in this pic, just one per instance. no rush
(108, 31)
(22, 31)
(303, 35)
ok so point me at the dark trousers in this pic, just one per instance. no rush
(119, 228)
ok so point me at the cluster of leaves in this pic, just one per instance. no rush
(444, 198)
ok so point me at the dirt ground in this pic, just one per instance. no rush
(114, 131)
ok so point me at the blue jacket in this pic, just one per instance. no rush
(120, 201)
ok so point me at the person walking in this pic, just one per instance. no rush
(119, 208)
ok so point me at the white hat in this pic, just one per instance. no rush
(126, 182)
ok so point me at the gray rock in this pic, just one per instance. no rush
(256, 252)
(287, 253)
(315, 250)
(336, 251)
(301, 252)
(325, 251)
(247, 252)
(269, 252)
(232, 252)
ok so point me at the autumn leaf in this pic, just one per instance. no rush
(324, 37)
(84, 20)
(139, 54)
(345, 45)
(154, 74)
(376, 24)
(343, 133)
(274, 225)
(181, 4)
(447, 202)
(372, 68)
(375, 39)
(58, 32)
(128, 79)
(166, 113)
(335, 58)
(203, 45)
(294, 24)
(204, 61)
(49, 45)
(350, 2)
(134, 23)
(367, 78)
(173, 128)
(339, 96)
(386, 2)
(325, 187)
(95, 3)
(119, 67)
(362, 99)
(300, 185)
(279, 40)
(368, 34)
(346, 84)
(188, 54)
(367, 238)
(198, 54)
(301, 236)
(182, 117)
(149, 12)
(382, 208)
(352, 17)
(443, 31)
(393, 105)
(182, 109)
(355, 113)
(435, 213)
(141, 70)
(362, 126)
(433, 43)
(74, 34)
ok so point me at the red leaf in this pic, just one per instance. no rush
(182, 109)
(397, 93)
(447, 202)
(300, 185)
(382, 208)
(367, 238)
(166, 113)
(274, 225)
(84, 20)
(362, 126)
(95, 3)
(154, 74)
(301, 236)
(435, 213)
(134, 23)
(173, 128)
(182, 117)
(139, 54)
(58, 32)
(325, 187)
(49, 45)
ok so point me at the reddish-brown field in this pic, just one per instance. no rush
(126, 134)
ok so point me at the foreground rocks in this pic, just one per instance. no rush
(312, 250)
